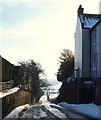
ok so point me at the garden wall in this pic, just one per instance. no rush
(10, 102)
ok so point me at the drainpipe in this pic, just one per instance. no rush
(78, 84)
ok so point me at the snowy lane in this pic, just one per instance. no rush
(44, 112)
(70, 113)
(35, 112)
(56, 112)
(52, 111)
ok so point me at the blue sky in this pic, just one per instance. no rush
(39, 30)
(20, 12)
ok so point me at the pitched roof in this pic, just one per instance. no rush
(89, 20)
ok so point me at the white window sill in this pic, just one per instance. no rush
(94, 44)
(94, 69)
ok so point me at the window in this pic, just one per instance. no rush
(75, 35)
(95, 61)
(94, 39)
(94, 65)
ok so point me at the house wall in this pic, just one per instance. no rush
(78, 48)
(85, 53)
(96, 52)
(99, 64)
(96, 71)
(82, 51)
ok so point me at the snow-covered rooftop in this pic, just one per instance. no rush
(89, 20)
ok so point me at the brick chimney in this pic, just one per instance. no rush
(80, 10)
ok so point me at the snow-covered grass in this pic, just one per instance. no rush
(90, 110)
(52, 92)
(8, 92)
(15, 112)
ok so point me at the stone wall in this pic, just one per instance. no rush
(10, 102)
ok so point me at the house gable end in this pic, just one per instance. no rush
(89, 20)
(95, 25)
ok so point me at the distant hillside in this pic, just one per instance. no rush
(53, 81)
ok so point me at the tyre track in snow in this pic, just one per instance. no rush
(72, 114)
(54, 113)
(44, 112)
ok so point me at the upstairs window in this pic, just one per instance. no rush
(94, 40)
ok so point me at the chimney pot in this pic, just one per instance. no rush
(80, 10)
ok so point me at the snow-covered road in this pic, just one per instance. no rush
(44, 112)
(61, 111)
(51, 111)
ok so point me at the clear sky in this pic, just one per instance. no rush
(39, 29)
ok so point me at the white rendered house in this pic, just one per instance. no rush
(87, 45)
(87, 64)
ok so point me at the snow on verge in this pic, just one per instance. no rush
(55, 111)
(15, 112)
(8, 92)
(91, 110)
